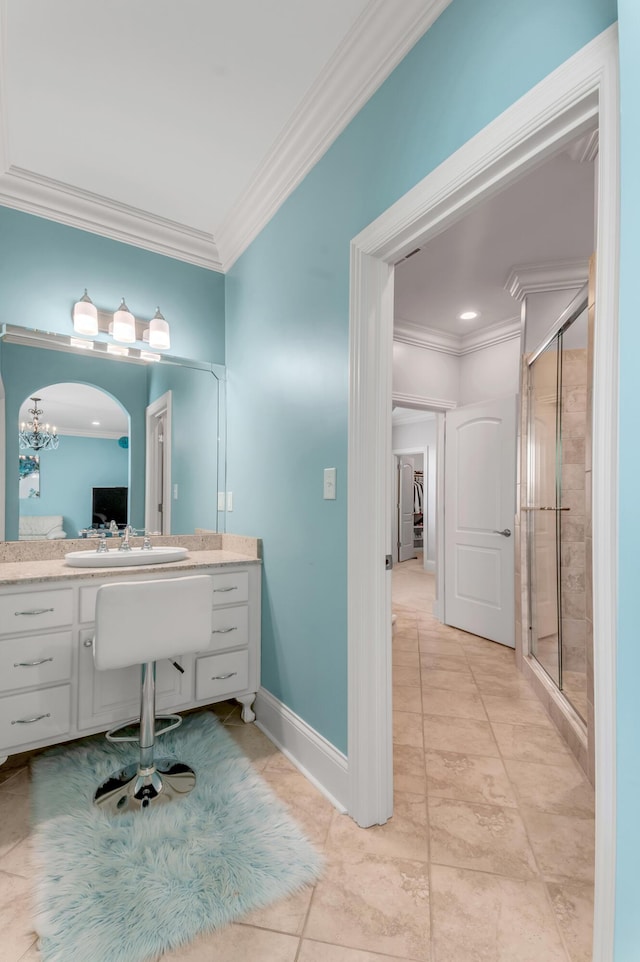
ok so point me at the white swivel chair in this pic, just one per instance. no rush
(138, 623)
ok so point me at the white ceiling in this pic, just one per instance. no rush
(73, 408)
(544, 218)
(184, 125)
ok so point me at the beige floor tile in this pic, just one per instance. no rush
(407, 699)
(561, 789)
(503, 684)
(530, 744)
(237, 942)
(405, 658)
(286, 915)
(486, 838)
(308, 807)
(573, 905)
(254, 743)
(405, 642)
(16, 925)
(18, 860)
(408, 770)
(464, 704)
(503, 709)
(31, 955)
(407, 729)
(405, 835)
(478, 917)
(14, 821)
(451, 662)
(19, 783)
(448, 680)
(321, 952)
(562, 844)
(486, 664)
(468, 778)
(438, 645)
(406, 677)
(372, 903)
(466, 735)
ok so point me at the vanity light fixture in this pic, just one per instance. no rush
(85, 316)
(122, 326)
(118, 349)
(32, 435)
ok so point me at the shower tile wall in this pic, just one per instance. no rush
(573, 531)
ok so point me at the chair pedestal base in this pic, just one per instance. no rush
(134, 788)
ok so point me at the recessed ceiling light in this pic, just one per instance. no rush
(96, 424)
(468, 315)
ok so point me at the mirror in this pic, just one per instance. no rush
(34, 361)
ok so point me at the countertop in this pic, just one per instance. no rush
(56, 569)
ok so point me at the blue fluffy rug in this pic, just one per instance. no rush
(127, 888)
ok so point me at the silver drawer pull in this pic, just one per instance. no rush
(232, 588)
(31, 664)
(30, 721)
(223, 631)
(34, 611)
(223, 677)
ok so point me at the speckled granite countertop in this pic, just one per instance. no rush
(20, 564)
(56, 569)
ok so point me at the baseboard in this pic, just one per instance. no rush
(313, 755)
(430, 567)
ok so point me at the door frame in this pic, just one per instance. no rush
(161, 405)
(552, 113)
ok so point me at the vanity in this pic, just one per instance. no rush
(50, 691)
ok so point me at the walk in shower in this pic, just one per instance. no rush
(558, 507)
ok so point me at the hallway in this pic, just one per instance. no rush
(509, 813)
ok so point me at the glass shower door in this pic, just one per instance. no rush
(544, 454)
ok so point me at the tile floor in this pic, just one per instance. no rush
(489, 855)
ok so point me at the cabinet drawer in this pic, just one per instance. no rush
(218, 675)
(231, 587)
(33, 610)
(230, 628)
(34, 716)
(34, 660)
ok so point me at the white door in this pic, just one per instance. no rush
(158, 466)
(406, 551)
(480, 484)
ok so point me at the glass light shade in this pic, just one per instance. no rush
(85, 316)
(159, 336)
(124, 325)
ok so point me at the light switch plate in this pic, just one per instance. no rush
(329, 484)
(220, 500)
(229, 501)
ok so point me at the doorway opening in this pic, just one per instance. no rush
(555, 112)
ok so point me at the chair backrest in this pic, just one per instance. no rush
(142, 621)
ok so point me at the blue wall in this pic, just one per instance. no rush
(287, 320)
(628, 667)
(44, 268)
(68, 475)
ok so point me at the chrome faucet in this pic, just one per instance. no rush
(124, 544)
(102, 546)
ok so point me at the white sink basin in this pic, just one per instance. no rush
(120, 559)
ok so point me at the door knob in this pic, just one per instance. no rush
(506, 533)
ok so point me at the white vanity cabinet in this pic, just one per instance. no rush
(50, 690)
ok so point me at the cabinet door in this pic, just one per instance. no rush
(108, 697)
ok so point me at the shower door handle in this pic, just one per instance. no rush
(506, 532)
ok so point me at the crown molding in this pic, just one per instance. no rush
(457, 345)
(585, 150)
(411, 417)
(539, 278)
(380, 38)
(30, 192)
(417, 400)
